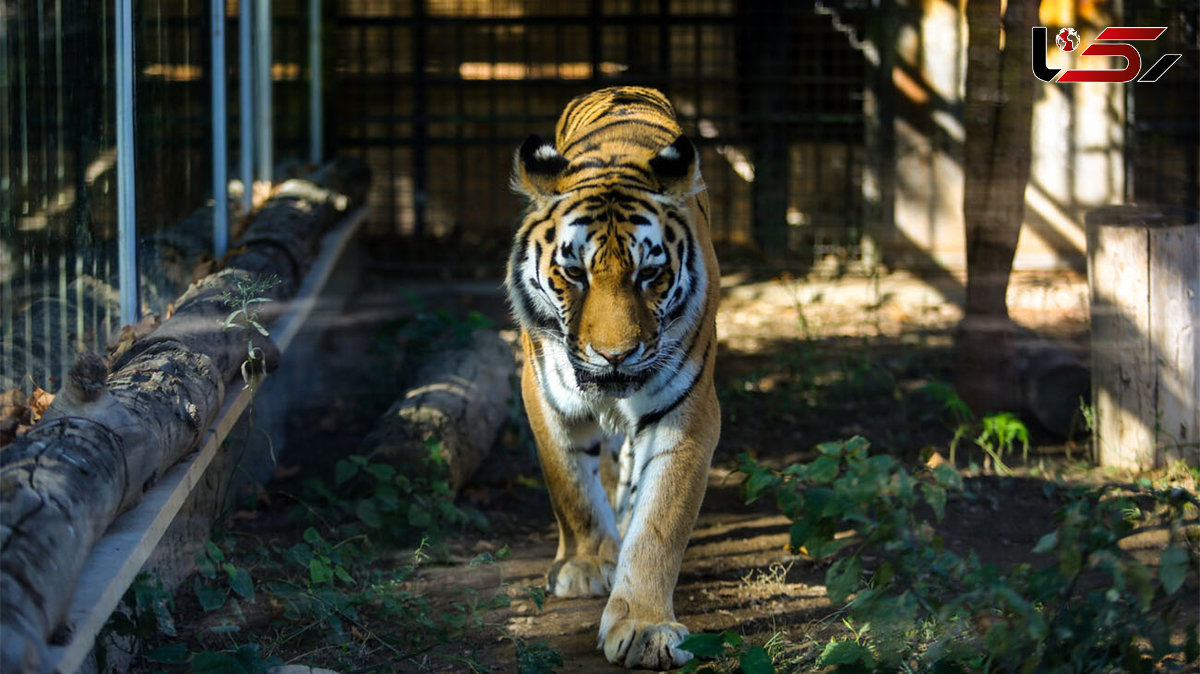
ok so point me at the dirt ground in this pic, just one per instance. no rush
(800, 362)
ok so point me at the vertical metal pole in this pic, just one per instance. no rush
(126, 205)
(262, 82)
(315, 112)
(420, 119)
(246, 99)
(220, 133)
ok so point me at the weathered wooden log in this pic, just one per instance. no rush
(1144, 276)
(459, 397)
(103, 443)
(93, 455)
(281, 243)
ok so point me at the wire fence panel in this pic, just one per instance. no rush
(437, 94)
(58, 217)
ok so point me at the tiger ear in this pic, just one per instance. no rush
(677, 167)
(536, 168)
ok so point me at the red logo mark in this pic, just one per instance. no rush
(1117, 44)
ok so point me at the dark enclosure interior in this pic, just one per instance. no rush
(437, 95)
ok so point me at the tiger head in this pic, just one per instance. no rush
(606, 263)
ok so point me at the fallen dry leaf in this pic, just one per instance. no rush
(39, 402)
(935, 459)
(130, 334)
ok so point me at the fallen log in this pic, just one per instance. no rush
(457, 397)
(106, 438)
(100, 445)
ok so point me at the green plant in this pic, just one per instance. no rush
(393, 507)
(245, 300)
(727, 646)
(914, 606)
(438, 329)
(996, 434)
(341, 588)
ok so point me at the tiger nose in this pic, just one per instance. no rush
(614, 358)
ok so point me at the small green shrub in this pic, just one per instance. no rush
(915, 606)
(391, 506)
(245, 301)
(727, 646)
(997, 434)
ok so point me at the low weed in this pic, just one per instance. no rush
(391, 507)
(996, 434)
(245, 301)
(343, 595)
(909, 604)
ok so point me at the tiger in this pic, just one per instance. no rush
(613, 281)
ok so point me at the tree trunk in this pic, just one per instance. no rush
(105, 439)
(457, 397)
(997, 115)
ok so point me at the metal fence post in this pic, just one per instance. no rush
(262, 82)
(127, 272)
(315, 116)
(246, 100)
(220, 175)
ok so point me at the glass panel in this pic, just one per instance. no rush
(58, 266)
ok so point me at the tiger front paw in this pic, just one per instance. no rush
(639, 643)
(584, 576)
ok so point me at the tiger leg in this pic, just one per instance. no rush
(587, 536)
(638, 628)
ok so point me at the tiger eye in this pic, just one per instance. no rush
(648, 274)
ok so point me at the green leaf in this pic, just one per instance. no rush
(319, 570)
(538, 594)
(214, 552)
(823, 470)
(703, 645)
(844, 653)
(883, 575)
(832, 448)
(368, 514)
(936, 498)
(857, 444)
(381, 471)
(759, 482)
(205, 566)
(948, 477)
(1172, 569)
(313, 537)
(299, 554)
(242, 583)
(756, 661)
(211, 662)
(344, 470)
(211, 598)
(170, 654)
(842, 579)
(343, 575)
(1046, 543)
